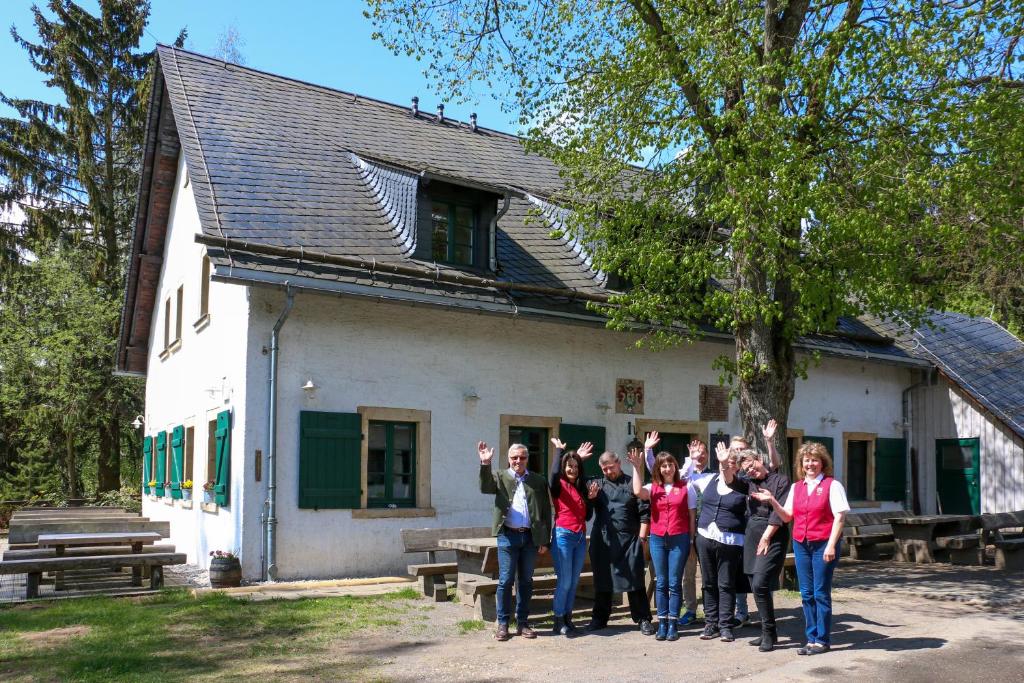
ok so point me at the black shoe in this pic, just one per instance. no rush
(559, 628)
(755, 641)
(646, 627)
(726, 635)
(768, 638)
(673, 631)
(710, 632)
(573, 630)
(595, 626)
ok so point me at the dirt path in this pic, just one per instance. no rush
(878, 637)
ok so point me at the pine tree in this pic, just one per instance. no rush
(73, 167)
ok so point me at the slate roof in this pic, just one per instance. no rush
(977, 354)
(275, 161)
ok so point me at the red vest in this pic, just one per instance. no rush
(812, 513)
(670, 512)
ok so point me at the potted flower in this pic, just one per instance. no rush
(208, 492)
(152, 486)
(225, 569)
(167, 488)
(186, 489)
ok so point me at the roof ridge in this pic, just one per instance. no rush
(317, 86)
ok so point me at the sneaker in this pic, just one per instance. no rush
(687, 618)
(726, 635)
(501, 633)
(646, 627)
(710, 632)
(813, 649)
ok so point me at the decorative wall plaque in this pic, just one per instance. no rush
(629, 396)
(714, 403)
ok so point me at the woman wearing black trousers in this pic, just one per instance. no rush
(765, 543)
(720, 534)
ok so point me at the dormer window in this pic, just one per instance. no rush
(453, 227)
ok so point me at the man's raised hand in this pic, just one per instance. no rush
(652, 440)
(721, 451)
(769, 429)
(486, 454)
(585, 450)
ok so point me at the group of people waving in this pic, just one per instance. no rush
(734, 522)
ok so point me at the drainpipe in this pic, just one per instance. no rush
(492, 247)
(908, 494)
(270, 570)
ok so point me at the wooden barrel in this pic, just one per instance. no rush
(225, 572)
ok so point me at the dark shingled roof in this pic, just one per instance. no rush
(279, 162)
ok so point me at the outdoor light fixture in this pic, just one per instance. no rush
(309, 386)
(602, 406)
(471, 395)
(137, 422)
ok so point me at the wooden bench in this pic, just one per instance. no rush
(868, 535)
(44, 553)
(24, 533)
(431, 575)
(969, 549)
(485, 592)
(33, 569)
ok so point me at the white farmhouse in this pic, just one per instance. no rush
(333, 298)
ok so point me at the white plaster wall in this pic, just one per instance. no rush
(176, 387)
(945, 412)
(386, 355)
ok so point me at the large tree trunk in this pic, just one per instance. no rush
(108, 465)
(71, 462)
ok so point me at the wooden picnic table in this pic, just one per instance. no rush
(136, 539)
(915, 536)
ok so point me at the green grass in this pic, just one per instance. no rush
(176, 635)
(470, 625)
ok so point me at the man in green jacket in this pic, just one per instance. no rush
(522, 525)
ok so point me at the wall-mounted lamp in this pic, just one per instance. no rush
(602, 406)
(830, 418)
(471, 395)
(138, 422)
(309, 388)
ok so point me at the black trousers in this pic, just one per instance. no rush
(765, 578)
(639, 606)
(720, 568)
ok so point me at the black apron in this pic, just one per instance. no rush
(616, 553)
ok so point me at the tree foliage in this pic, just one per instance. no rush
(798, 162)
(72, 166)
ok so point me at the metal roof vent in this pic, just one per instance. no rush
(472, 122)
(440, 113)
(415, 107)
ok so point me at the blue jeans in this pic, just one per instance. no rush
(815, 577)
(516, 557)
(669, 553)
(569, 550)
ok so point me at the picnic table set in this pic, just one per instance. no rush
(95, 543)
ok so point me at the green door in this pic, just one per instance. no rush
(958, 469)
(574, 435)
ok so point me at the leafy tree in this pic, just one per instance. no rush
(73, 168)
(800, 162)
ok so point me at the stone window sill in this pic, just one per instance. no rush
(185, 504)
(165, 354)
(865, 504)
(175, 345)
(209, 507)
(168, 501)
(202, 323)
(385, 513)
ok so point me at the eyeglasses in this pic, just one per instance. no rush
(517, 457)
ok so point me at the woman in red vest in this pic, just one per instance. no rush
(569, 544)
(673, 516)
(817, 507)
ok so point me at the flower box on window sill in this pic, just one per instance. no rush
(185, 504)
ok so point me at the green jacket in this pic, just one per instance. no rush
(538, 500)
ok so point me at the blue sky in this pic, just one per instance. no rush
(320, 41)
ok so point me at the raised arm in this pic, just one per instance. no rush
(487, 482)
(650, 442)
(769, 436)
(556, 462)
(637, 460)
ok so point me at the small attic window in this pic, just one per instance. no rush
(453, 228)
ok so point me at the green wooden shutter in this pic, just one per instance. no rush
(161, 458)
(222, 482)
(890, 469)
(574, 435)
(330, 471)
(177, 460)
(147, 462)
(825, 441)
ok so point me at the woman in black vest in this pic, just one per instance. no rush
(720, 534)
